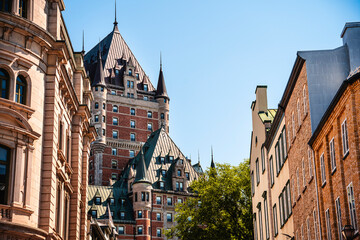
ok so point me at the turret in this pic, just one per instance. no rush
(163, 99)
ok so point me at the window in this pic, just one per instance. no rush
(132, 111)
(136, 197)
(344, 135)
(255, 227)
(351, 202)
(283, 135)
(137, 76)
(23, 6)
(328, 226)
(5, 6)
(132, 123)
(315, 225)
(132, 137)
(112, 201)
(162, 185)
(114, 151)
(308, 228)
(252, 183)
(146, 87)
(303, 172)
(122, 215)
(158, 200)
(298, 181)
(187, 176)
(338, 217)
(102, 89)
(131, 153)
(285, 204)
(260, 223)
(147, 196)
(275, 221)
(60, 142)
(128, 84)
(103, 105)
(121, 230)
(181, 187)
(96, 118)
(163, 172)
(115, 121)
(115, 108)
(97, 201)
(180, 200)
(96, 105)
(169, 201)
(158, 216)
(158, 232)
(177, 186)
(169, 217)
(257, 172)
(162, 116)
(302, 232)
(299, 112)
(114, 176)
(267, 234)
(179, 173)
(20, 96)
(293, 123)
(131, 84)
(94, 213)
(113, 92)
(146, 98)
(143, 196)
(149, 126)
(122, 202)
(149, 114)
(115, 134)
(140, 230)
(332, 155)
(322, 169)
(304, 99)
(130, 72)
(162, 160)
(103, 118)
(4, 173)
(113, 164)
(96, 89)
(140, 214)
(289, 136)
(271, 168)
(310, 155)
(263, 159)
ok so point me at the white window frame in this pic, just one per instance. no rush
(303, 172)
(315, 225)
(338, 217)
(260, 223)
(271, 168)
(322, 169)
(298, 181)
(308, 228)
(304, 99)
(298, 112)
(344, 137)
(310, 158)
(332, 155)
(351, 204)
(275, 220)
(328, 224)
(293, 123)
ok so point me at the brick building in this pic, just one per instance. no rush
(313, 85)
(126, 107)
(45, 134)
(142, 202)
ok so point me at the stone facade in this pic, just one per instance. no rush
(45, 133)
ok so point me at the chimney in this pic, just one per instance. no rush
(260, 104)
(351, 38)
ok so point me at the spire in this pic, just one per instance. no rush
(198, 157)
(141, 175)
(212, 158)
(83, 44)
(99, 78)
(161, 88)
(115, 22)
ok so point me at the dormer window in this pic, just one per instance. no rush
(162, 185)
(179, 173)
(122, 215)
(112, 201)
(171, 159)
(97, 201)
(187, 176)
(130, 72)
(146, 87)
(137, 76)
(162, 160)
(96, 105)
(163, 172)
(131, 84)
(117, 71)
(94, 213)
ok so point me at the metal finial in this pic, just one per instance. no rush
(198, 156)
(160, 61)
(83, 44)
(115, 22)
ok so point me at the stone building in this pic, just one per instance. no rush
(316, 78)
(45, 133)
(126, 107)
(142, 202)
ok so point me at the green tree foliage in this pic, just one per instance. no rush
(222, 209)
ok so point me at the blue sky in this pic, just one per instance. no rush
(214, 55)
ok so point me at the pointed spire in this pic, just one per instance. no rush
(161, 88)
(115, 22)
(198, 157)
(141, 170)
(99, 78)
(212, 158)
(83, 44)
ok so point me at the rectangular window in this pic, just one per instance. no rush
(96, 105)
(145, 87)
(322, 168)
(180, 200)
(284, 143)
(328, 226)
(289, 136)
(299, 112)
(187, 176)
(158, 216)
(344, 135)
(281, 210)
(315, 225)
(266, 219)
(114, 176)
(277, 158)
(302, 232)
(338, 217)
(140, 230)
(61, 135)
(281, 151)
(131, 84)
(143, 196)
(122, 215)
(128, 83)
(149, 126)
(131, 153)
(132, 111)
(149, 114)
(255, 227)
(132, 123)
(263, 159)
(115, 121)
(260, 224)
(103, 118)
(158, 200)
(298, 181)
(169, 201)
(114, 151)
(289, 197)
(293, 124)
(115, 134)
(146, 98)
(132, 137)
(121, 230)
(252, 183)
(140, 214)
(113, 164)
(23, 6)
(169, 217)
(257, 172)
(351, 202)
(275, 221)
(158, 232)
(271, 168)
(308, 228)
(113, 92)
(103, 105)
(310, 154)
(303, 172)
(332, 155)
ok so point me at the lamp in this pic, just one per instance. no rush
(348, 232)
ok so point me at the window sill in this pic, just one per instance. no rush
(310, 180)
(298, 197)
(304, 189)
(323, 184)
(333, 171)
(346, 154)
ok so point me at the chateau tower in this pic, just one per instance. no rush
(126, 109)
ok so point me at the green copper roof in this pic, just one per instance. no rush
(268, 116)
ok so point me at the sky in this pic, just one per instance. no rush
(214, 55)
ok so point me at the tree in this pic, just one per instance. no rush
(222, 208)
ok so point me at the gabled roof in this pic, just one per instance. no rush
(113, 50)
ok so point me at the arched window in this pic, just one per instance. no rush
(5, 5)
(115, 108)
(4, 173)
(4, 84)
(20, 90)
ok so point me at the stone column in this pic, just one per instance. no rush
(18, 181)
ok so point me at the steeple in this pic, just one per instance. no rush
(141, 170)
(212, 158)
(99, 78)
(115, 22)
(83, 44)
(161, 88)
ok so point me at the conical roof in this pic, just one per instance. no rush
(141, 170)
(99, 78)
(161, 88)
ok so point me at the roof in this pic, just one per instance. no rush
(161, 88)
(267, 116)
(114, 52)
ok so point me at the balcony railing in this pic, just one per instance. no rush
(5, 212)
